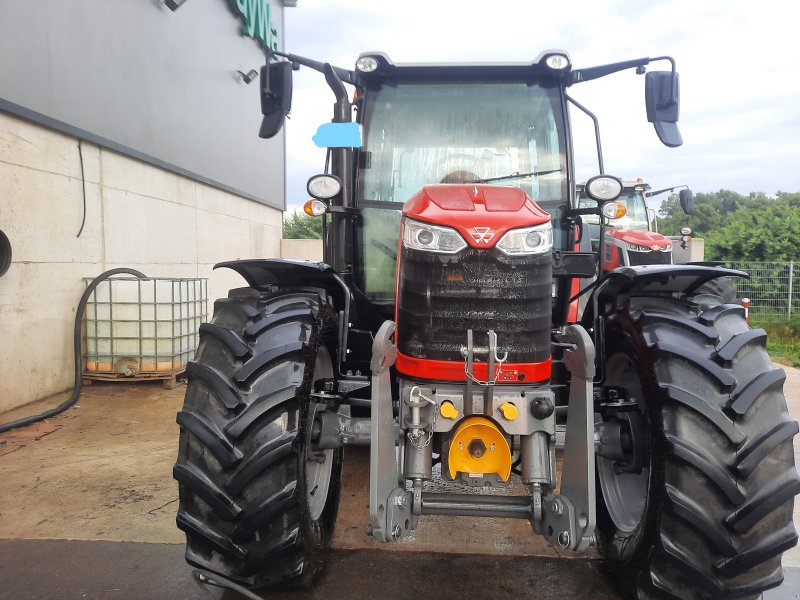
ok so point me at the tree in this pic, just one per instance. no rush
(736, 228)
(765, 229)
(711, 211)
(299, 226)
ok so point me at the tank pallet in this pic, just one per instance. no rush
(169, 380)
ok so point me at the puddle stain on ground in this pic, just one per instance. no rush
(15, 439)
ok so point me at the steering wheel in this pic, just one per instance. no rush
(457, 168)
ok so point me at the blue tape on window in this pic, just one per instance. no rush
(338, 135)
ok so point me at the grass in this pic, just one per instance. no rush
(783, 340)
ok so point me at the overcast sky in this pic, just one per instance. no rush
(739, 64)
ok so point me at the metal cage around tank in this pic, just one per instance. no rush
(143, 328)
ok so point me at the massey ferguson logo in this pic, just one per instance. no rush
(482, 234)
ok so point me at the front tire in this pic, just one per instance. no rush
(711, 513)
(257, 504)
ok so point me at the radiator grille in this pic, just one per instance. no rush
(440, 297)
(649, 258)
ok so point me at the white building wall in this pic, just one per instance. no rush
(302, 249)
(137, 215)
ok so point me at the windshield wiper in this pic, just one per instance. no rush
(516, 175)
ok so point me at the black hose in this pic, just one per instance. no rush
(76, 387)
(211, 578)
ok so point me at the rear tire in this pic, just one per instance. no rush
(715, 506)
(256, 504)
(722, 287)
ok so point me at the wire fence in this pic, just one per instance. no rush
(773, 289)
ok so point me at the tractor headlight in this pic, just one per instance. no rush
(528, 240)
(603, 188)
(432, 238)
(324, 187)
(557, 62)
(367, 64)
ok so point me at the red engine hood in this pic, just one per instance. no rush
(654, 241)
(482, 214)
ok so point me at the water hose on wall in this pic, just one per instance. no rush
(76, 347)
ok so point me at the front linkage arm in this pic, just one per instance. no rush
(569, 517)
(389, 502)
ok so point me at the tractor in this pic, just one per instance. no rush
(438, 331)
(633, 238)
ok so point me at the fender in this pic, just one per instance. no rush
(653, 280)
(355, 311)
(280, 272)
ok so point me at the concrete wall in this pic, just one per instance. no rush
(137, 215)
(302, 249)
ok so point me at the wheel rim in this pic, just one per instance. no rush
(318, 481)
(625, 494)
(319, 465)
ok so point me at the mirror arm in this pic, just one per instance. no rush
(596, 131)
(673, 98)
(344, 74)
(341, 109)
(670, 189)
(580, 75)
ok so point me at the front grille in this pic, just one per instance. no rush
(649, 258)
(440, 297)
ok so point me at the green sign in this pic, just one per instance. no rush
(256, 21)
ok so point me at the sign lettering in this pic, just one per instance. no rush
(257, 22)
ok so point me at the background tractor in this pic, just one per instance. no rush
(437, 331)
(633, 238)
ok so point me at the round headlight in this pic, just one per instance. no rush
(686, 231)
(533, 239)
(425, 237)
(603, 188)
(324, 186)
(366, 64)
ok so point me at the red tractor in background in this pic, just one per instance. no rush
(633, 238)
(438, 332)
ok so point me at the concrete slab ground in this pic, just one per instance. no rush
(99, 476)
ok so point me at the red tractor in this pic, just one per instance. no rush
(633, 238)
(437, 331)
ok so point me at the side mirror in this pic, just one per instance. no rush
(276, 96)
(662, 100)
(687, 201)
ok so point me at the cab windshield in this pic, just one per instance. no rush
(636, 215)
(635, 218)
(424, 133)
